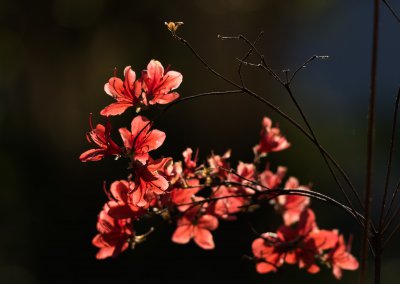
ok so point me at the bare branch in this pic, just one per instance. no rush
(389, 165)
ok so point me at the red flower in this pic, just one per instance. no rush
(246, 172)
(292, 205)
(340, 258)
(219, 164)
(148, 181)
(271, 139)
(127, 93)
(122, 207)
(141, 140)
(189, 164)
(268, 257)
(197, 227)
(185, 195)
(113, 235)
(270, 180)
(300, 244)
(174, 172)
(158, 84)
(226, 207)
(106, 147)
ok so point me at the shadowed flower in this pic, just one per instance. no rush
(300, 244)
(121, 206)
(340, 258)
(226, 207)
(195, 226)
(292, 206)
(271, 180)
(182, 197)
(113, 235)
(220, 164)
(271, 139)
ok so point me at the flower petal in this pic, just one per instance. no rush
(115, 109)
(126, 138)
(172, 80)
(182, 234)
(164, 98)
(203, 238)
(92, 155)
(208, 222)
(114, 87)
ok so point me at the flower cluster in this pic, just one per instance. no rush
(196, 196)
(304, 244)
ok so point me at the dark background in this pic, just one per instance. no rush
(55, 57)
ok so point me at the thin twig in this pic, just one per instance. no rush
(397, 17)
(389, 238)
(389, 221)
(322, 153)
(286, 86)
(389, 165)
(205, 64)
(392, 219)
(261, 99)
(233, 171)
(246, 56)
(308, 61)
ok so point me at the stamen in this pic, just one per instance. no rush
(107, 192)
(90, 121)
(167, 69)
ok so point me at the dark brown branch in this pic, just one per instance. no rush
(370, 141)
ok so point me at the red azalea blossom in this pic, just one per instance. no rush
(183, 196)
(268, 258)
(226, 207)
(122, 207)
(340, 258)
(113, 235)
(127, 93)
(174, 172)
(148, 181)
(219, 164)
(293, 245)
(197, 196)
(141, 139)
(271, 139)
(270, 180)
(292, 205)
(246, 171)
(105, 146)
(190, 165)
(158, 84)
(195, 226)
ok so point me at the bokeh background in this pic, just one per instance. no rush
(55, 57)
